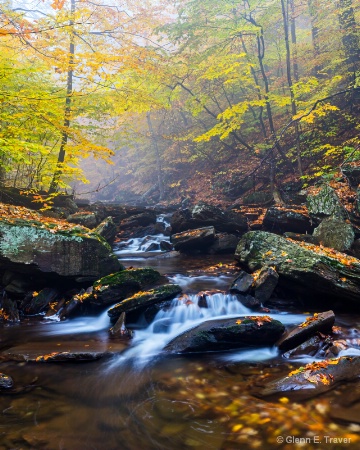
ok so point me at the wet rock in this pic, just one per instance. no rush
(39, 301)
(120, 285)
(325, 203)
(8, 309)
(331, 275)
(249, 301)
(70, 357)
(242, 283)
(224, 243)
(87, 219)
(335, 233)
(313, 379)
(119, 330)
(223, 334)
(19, 285)
(322, 322)
(34, 248)
(139, 220)
(265, 283)
(309, 348)
(165, 246)
(283, 219)
(77, 302)
(192, 240)
(107, 230)
(203, 215)
(6, 382)
(145, 299)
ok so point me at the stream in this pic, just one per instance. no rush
(137, 398)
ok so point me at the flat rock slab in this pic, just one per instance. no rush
(313, 379)
(72, 351)
(224, 334)
(322, 322)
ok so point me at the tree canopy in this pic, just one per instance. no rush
(170, 92)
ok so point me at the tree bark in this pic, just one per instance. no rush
(157, 156)
(68, 100)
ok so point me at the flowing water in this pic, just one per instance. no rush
(137, 398)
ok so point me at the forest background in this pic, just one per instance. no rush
(167, 101)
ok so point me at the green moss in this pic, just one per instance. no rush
(144, 276)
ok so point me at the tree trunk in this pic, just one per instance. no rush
(157, 156)
(290, 83)
(350, 37)
(68, 100)
(313, 11)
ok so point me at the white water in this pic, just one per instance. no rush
(136, 245)
(84, 324)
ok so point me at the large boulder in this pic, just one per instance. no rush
(38, 245)
(335, 233)
(87, 219)
(203, 215)
(224, 334)
(324, 203)
(317, 271)
(193, 240)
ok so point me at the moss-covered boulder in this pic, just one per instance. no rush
(335, 233)
(142, 300)
(324, 203)
(317, 271)
(120, 285)
(38, 245)
(225, 334)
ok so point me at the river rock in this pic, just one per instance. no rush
(313, 379)
(35, 247)
(87, 219)
(120, 285)
(193, 240)
(139, 220)
(204, 215)
(224, 334)
(335, 233)
(119, 330)
(8, 309)
(285, 219)
(265, 283)
(39, 301)
(142, 300)
(224, 243)
(6, 382)
(107, 230)
(242, 283)
(325, 203)
(322, 322)
(331, 275)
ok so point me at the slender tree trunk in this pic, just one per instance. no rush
(313, 11)
(290, 83)
(68, 100)
(294, 40)
(157, 156)
(350, 37)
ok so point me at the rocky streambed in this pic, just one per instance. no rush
(178, 350)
